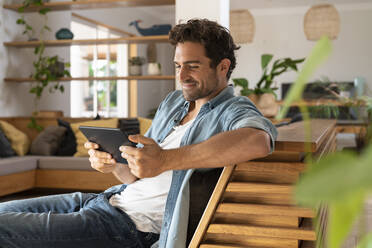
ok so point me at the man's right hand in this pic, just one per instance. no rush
(101, 161)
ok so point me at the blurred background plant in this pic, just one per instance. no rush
(341, 181)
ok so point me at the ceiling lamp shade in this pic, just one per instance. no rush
(242, 26)
(322, 20)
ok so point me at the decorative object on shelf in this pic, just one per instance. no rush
(154, 68)
(64, 34)
(263, 95)
(322, 20)
(242, 26)
(359, 84)
(135, 65)
(151, 53)
(162, 29)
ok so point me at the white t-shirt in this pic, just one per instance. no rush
(144, 200)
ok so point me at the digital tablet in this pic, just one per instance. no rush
(108, 139)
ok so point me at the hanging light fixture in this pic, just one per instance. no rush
(322, 20)
(242, 26)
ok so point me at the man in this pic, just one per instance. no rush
(202, 126)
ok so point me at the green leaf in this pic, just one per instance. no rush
(315, 187)
(44, 11)
(241, 82)
(21, 9)
(47, 28)
(265, 60)
(342, 215)
(366, 241)
(320, 52)
(20, 21)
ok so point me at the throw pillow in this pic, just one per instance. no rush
(144, 124)
(19, 140)
(81, 139)
(48, 141)
(129, 126)
(68, 143)
(5, 147)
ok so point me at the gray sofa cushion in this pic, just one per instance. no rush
(64, 163)
(17, 164)
(48, 141)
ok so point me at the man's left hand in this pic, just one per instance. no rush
(148, 161)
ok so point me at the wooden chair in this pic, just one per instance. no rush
(252, 204)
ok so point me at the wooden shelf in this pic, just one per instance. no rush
(61, 43)
(316, 102)
(160, 77)
(92, 4)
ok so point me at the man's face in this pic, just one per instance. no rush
(198, 80)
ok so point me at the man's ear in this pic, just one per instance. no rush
(223, 66)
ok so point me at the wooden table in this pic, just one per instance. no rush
(252, 203)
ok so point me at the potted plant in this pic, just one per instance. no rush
(47, 69)
(135, 65)
(263, 95)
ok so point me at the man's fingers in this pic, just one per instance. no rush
(90, 145)
(138, 138)
(99, 154)
(129, 150)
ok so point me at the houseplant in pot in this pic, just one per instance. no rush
(135, 65)
(47, 69)
(263, 95)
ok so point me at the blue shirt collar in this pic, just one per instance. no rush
(226, 93)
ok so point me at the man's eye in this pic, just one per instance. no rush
(194, 67)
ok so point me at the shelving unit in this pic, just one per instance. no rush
(65, 79)
(91, 4)
(85, 42)
(131, 40)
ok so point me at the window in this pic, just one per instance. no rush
(89, 98)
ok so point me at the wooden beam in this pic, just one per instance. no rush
(97, 23)
(133, 86)
(211, 206)
(17, 182)
(74, 179)
(91, 4)
(84, 42)
(65, 79)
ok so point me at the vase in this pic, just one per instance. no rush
(135, 70)
(266, 104)
(153, 69)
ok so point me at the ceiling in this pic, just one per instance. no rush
(255, 4)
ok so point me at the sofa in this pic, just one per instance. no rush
(19, 173)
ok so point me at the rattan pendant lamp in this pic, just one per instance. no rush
(242, 26)
(320, 20)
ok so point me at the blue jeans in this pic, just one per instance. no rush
(70, 220)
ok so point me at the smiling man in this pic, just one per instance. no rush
(201, 127)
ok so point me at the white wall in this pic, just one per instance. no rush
(14, 97)
(280, 32)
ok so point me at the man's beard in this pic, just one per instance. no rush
(196, 93)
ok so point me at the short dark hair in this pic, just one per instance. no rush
(217, 41)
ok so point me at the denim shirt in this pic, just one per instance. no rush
(223, 113)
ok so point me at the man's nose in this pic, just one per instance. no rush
(183, 74)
